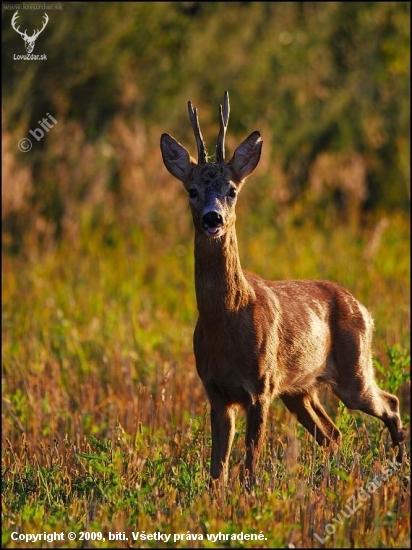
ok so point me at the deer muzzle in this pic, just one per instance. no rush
(212, 221)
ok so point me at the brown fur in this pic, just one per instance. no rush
(256, 340)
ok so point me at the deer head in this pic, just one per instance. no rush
(29, 41)
(212, 186)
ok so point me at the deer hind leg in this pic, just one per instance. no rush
(356, 387)
(378, 403)
(310, 413)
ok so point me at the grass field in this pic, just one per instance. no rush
(106, 428)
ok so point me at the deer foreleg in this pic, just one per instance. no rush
(255, 432)
(223, 431)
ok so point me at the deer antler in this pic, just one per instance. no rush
(13, 24)
(201, 151)
(224, 120)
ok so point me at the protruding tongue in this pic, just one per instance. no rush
(213, 229)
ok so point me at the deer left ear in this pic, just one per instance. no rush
(246, 156)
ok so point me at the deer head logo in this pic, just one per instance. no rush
(29, 41)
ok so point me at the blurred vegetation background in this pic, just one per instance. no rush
(326, 84)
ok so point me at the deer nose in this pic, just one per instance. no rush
(211, 221)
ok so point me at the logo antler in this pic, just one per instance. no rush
(29, 41)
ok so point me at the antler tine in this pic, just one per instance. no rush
(224, 120)
(13, 24)
(201, 150)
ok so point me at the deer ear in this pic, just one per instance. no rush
(246, 156)
(176, 158)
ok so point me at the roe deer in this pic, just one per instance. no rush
(255, 339)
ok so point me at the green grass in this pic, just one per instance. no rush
(105, 422)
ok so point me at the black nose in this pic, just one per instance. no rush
(212, 219)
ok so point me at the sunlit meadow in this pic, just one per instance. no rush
(106, 424)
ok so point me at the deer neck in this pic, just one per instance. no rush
(221, 286)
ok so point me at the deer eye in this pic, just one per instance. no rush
(232, 192)
(193, 193)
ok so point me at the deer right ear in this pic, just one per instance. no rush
(176, 158)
